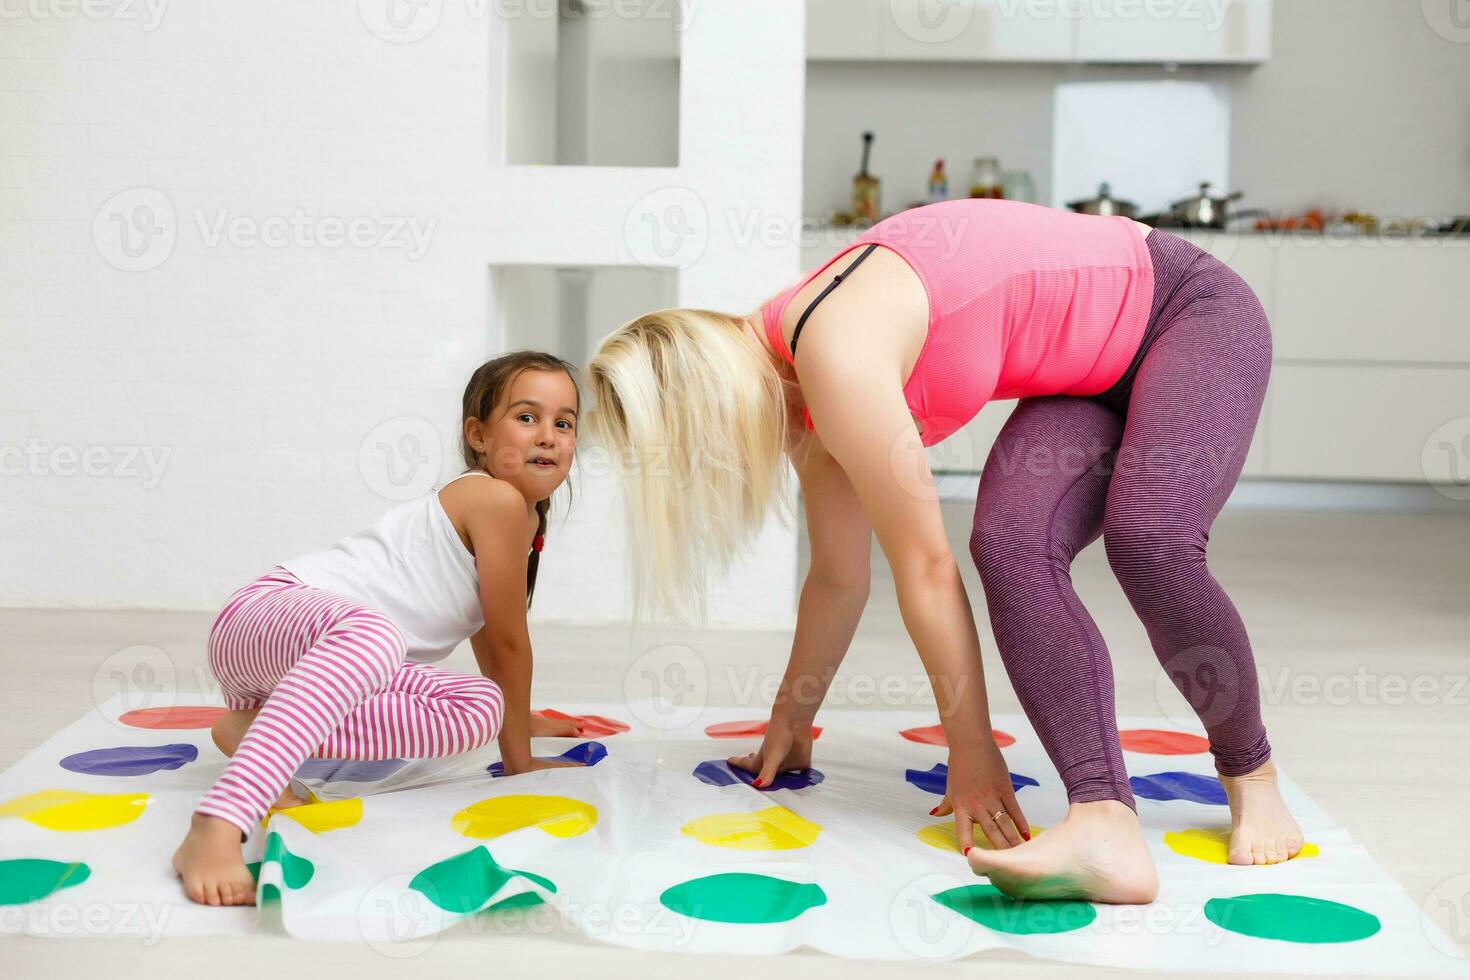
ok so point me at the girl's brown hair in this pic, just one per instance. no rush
(487, 386)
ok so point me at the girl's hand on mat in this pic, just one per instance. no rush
(979, 787)
(785, 747)
(555, 727)
(536, 764)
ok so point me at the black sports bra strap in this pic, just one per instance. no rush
(830, 286)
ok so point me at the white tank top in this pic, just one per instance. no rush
(410, 565)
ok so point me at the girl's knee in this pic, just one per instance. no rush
(372, 638)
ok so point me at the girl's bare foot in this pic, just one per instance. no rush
(1262, 829)
(1096, 854)
(210, 863)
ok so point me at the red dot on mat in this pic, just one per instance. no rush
(934, 735)
(1154, 741)
(591, 724)
(747, 729)
(180, 716)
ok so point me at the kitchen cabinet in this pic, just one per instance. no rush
(1371, 357)
(1204, 31)
(1364, 422)
(1194, 31)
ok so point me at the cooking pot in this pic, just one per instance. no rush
(1202, 210)
(1104, 203)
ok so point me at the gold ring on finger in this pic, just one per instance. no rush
(997, 815)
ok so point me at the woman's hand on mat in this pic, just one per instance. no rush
(786, 746)
(555, 727)
(979, 787)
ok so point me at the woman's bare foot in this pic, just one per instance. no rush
(210, 863)
(1096, 854)
(1262, 829)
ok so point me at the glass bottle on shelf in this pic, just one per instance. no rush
(985, 178)
(1018, 186)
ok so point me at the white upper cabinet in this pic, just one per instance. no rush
(974, 30)
(1173, 30)
(1039, 30)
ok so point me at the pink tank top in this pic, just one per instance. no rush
(1024, 300)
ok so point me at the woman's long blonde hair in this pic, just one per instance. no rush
(694, 417)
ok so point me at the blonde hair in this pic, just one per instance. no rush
(695, 417)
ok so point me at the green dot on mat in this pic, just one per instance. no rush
(296, 870)
(991, 908)
(27, 879)
(1293, 918)
(466, 881)
(742, 898)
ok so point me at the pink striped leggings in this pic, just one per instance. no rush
(330, 679)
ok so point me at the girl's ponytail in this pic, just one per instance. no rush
(534, 561)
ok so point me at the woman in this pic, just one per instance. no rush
(1140, 363)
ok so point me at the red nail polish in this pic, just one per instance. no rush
(967, 851)
(933, 811)
(757, 783)
(1026, 834)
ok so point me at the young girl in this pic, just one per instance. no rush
(326, 655)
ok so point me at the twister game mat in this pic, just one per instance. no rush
(659, 845)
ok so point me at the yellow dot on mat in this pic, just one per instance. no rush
(559, 816)
(1213, 845)
(773, 829)
(942, 836)
(65, 809)
(319, 817)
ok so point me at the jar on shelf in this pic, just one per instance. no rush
(986, 179)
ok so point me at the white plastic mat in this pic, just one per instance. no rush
(639, 851)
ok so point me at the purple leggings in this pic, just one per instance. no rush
(1147, 465)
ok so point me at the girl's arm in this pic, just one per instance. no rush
(855, 395)
(499, 528)
(832, 600)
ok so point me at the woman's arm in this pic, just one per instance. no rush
(832, 600)
(855, 395)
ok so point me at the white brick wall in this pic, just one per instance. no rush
(254, 372)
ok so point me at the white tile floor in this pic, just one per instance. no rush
(1351, 614)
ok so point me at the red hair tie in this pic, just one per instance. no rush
(537, 542)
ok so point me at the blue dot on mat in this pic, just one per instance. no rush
(587, 753)
(1179, 786)
(718, 772)
(131, 760)
(350, 770)
(935, 780)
